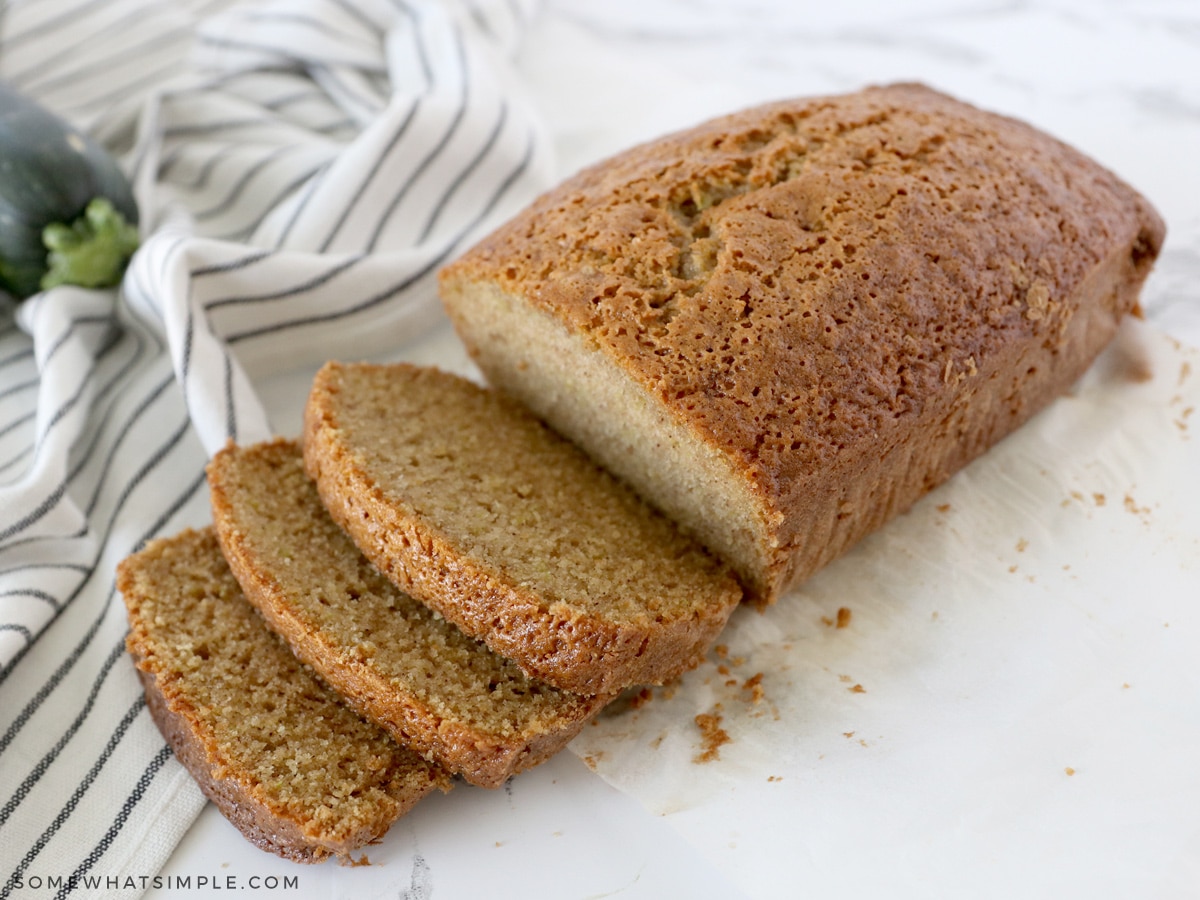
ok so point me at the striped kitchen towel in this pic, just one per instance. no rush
(302, 169)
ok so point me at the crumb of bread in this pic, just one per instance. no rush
(1132, 506)
(754, 686)
(841, 620)
(712, 737)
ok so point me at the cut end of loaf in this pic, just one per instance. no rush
(567, 380)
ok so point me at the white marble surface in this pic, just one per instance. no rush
(1119, 80)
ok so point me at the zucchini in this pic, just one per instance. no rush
(67, 212)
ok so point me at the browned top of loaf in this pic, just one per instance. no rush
(263, 719)
(445, 693)
(791, 278)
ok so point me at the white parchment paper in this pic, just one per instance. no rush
(1007, 705)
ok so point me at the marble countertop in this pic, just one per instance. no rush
(1120, 81)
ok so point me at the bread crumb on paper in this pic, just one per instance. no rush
(841, 620)
(1142, 512)
(753, 684)
(1096, 499)
(712, 736)
(1182, 422)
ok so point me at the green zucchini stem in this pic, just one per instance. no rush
(90, 252)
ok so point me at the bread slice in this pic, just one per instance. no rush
(468, 502)
(435, 689)
(785, 325)
(298, 772)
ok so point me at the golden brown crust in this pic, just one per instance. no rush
(210, 667)
(555, 640)
(266, 831)
(810, 286)
(266, 511)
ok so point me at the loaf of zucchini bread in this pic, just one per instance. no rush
(785, 325)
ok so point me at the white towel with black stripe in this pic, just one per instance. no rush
(302, 169)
